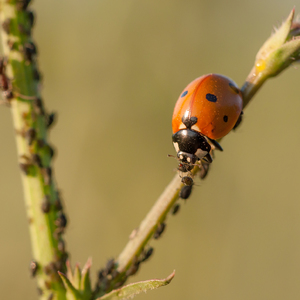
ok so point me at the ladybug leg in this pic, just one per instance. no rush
(239, 120)
(216, 144)
(204, 169)
(207, 158)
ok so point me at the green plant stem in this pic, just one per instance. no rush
(39, 188)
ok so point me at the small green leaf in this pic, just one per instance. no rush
(69, 271)
(72, 293)
(133, 289)
(277, 39)
(86, 281)
(77, 277)
(285, 55)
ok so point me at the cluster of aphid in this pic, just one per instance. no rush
(107, 275)
(27, 49)
(38, 160)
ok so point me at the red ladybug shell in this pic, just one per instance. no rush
(215, 100)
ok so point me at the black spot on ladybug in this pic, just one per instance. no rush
(211, 98)
(184, 93)
(225, 118)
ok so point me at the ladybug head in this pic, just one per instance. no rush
(190, 146)
(187, 158)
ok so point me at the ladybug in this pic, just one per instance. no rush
(207, 109)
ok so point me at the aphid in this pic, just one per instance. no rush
(31, 18)
(61, 221)
(110, 265)
(30, 135)
(36, 159)
(25, 168)
(120, 282)
(50, 268)
(187, 180)
(33, 267)
(147, 254)
(207, 109)
(29, 50)
(175, 209)
(38, 106)
(101, 274)
(185, 192)
(133, 269)
(159, 230)
(57, 203)
(36, 75)
(61, 246)
(46, 205)
(22, 4)
(47, 174)
(51, 151)
(4, 83)
(50, 119)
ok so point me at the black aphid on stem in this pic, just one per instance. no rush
(159, 230)
(33, 267)
(22, 4)
(25, 168)
(187, 180)
(30, 135)
(36, 75)
(175, 209)
(47, 175)
(38, 106)
(31, 18)
(57, 203)
(61, 221)
(61, 246)
(46, 205)
(36, 159)
(185, 192)
(51, 119)
(29, 50)
(147, 254)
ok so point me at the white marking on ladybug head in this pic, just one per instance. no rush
(182, 126)
(176, 146)
(196, 128)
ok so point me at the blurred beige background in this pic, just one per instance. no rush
(113, 71)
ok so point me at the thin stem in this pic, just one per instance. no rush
(257, 76)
